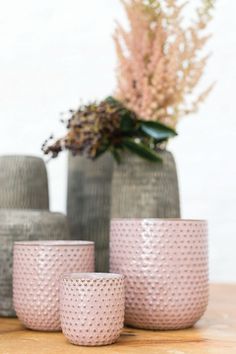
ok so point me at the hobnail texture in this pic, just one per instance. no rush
(165, 263)
(92, 308)
(37, 269)
(24, 225)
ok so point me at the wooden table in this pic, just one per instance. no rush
(214, 334)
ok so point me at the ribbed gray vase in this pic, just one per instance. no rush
(143, 189)
(24, 225)
(23, 183)
(88, 203)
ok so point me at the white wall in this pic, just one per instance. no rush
(55, 52)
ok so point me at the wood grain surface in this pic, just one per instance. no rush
(214, 334)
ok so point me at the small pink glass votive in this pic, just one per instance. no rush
(92, 308)
(37, 270)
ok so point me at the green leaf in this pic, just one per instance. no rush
(101, 151)
(116, 155)
(157, 130)
(126, 123)
(141, 150)
(112, 101)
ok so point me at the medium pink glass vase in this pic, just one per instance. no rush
(165, 263)
(37, 269)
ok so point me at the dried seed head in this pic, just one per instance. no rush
(90, 129)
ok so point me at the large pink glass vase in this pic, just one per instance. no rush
(165, 263)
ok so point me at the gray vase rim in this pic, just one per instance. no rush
(22, 155)
(51, 243)
(26, 211)
(160, 220)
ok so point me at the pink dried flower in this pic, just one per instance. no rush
(160, 61)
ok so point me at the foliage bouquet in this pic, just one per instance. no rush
(160, 63)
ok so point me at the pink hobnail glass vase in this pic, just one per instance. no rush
(165, 263)
(37, 269)
(92, 308)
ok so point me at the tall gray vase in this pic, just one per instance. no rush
(88, 203)
(24, 225)
(23, 183)
(143, 189)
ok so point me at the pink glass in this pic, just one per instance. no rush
(37, 269)
(92, 308)
(165, 263)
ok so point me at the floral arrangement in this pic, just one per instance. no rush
(160, 65)
(109, 126)
(160, 61)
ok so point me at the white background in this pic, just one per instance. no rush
(55, 52)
